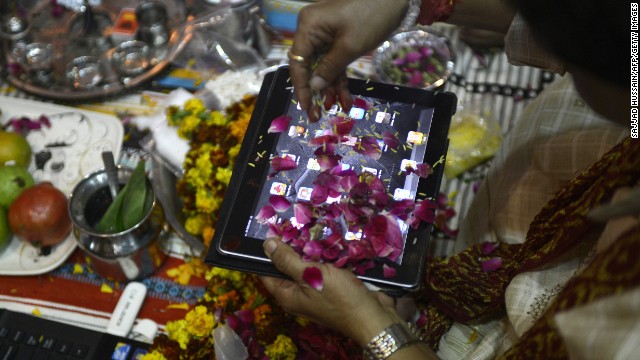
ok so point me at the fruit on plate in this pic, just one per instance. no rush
(5, 233)
(14, 149)
(13, 180)
(39, 215)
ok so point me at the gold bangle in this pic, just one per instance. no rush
(390, 340)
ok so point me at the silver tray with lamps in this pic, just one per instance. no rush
(94, 51)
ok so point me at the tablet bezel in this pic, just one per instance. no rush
(231, 249)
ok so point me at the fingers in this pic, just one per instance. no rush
(285, 259)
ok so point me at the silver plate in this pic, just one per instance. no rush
(71, 40)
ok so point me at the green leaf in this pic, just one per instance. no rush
(130, 205)
(133, 208)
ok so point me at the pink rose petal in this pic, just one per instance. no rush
(279, 124)
(423, 170)
(362, 103)
(342, 125)
(425, 211)
(388, 271)
(279, 203)
(313, 251)
(416, 78)
(303, 213)
(283, 163)
(265, 213)
(413, 56)
(390, 139)
(491, 264)
(324, 139)
(488, 247)
(319, 194)
(368, 146)
(313, 276)
(328, 162)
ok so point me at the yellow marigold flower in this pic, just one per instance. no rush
(223, 175)
(188, 125)
(154, 355)
(196, 224)
(236, 277)
(207, 235)
(233, 152)
(261, 313)
(194, 105)
(199, 321)
(207, 202)
(217, 118)
(238, 128)
(177, 331)
(282, 348)
(182, 273)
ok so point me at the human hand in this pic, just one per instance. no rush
(344, 303)
(337, 32)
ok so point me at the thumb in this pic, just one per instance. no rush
(285, 259)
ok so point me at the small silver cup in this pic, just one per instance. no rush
(131, 254)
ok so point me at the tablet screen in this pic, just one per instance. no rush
(409, 124)
(392, 132)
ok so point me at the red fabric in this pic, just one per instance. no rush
(82, 292)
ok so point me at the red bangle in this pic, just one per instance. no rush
(435, 10)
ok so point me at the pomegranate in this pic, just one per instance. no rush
(39, 215)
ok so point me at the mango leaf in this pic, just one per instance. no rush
(133, 207)
(129, 206)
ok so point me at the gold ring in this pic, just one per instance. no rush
(296, 58)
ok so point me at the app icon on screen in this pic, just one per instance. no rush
(296, 130)
(383, 117)
(356, 113)
(408, 163)
(370, 170)
(415, 137)
(312, 164)
(278, 188)
(401, 194)
(305, 193)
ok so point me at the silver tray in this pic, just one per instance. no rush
(64, 57)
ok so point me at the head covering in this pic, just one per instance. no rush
(593, 35)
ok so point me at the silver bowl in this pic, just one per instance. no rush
(131, 57)
(84, 72)
(417, 58)
(131, 254)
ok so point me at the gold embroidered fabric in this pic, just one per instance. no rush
(461, 290)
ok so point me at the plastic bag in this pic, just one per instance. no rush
(474, 137)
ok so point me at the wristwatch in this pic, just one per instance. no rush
(391, 339)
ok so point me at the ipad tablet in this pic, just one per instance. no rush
(419, 118)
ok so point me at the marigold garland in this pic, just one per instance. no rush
(233, 298)
(214, 139)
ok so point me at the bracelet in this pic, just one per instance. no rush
(391, 339)
(411, 17)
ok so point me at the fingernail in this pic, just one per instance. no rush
(269, 247)
(317, 83)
